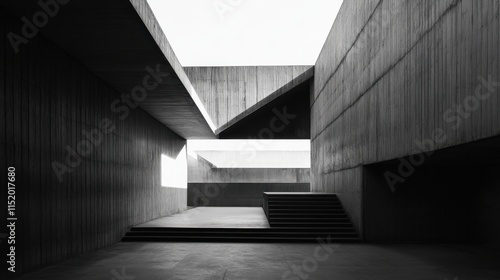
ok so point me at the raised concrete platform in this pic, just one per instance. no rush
(237, 224)
(214, 217)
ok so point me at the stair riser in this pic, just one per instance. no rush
(302, 208)
(240, 240)
(229, 235)
(277, 206)
(310, 197)
(302, 204)
(307, 211)
(239, 230)
(308, 216)
(284, 225)
(303, 200)
(303, 196)
(306, 221)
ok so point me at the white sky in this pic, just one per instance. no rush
(246, 32)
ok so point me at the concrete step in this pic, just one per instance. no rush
(346, 223)
(276, 234)
(304, 202)
(308, 215)
(284, 198)
(301, 206)
(239, 239)
(337, 233)
(308, 219)
(304, 211)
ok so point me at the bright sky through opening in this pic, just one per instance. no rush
(253, 153)
(246, 32)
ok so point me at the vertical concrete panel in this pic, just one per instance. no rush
(49, 105)
(250, 75)
(388, 76)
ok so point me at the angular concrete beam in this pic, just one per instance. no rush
(308, 74)
(232, 92)
(121, 42)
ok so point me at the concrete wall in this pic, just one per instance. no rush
(202, 171)
(486, 211)
(210, 186)
(237, 194)
(390, 81)
(449, 195)
(47, 100)
(227, 92)
(440, 203)
(286, 117)
(248, 175)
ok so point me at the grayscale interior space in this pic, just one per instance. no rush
(379, 160)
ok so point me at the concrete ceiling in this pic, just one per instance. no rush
(117, 40)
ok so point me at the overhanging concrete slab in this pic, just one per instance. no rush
(232, 92)
(119, 41)
(305, 76)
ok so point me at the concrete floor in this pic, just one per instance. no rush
(225, 261)
(214, 217)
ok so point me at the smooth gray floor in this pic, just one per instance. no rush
(214, 217)
(226, 261)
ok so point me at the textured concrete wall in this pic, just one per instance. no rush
(227, 92)
(395, 74)
(248, 175)
(201, 171)
(286, 117)
(47, 101)
(237, 194)
(240, 186)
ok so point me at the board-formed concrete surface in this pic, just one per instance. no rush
(237, 194)
(124, 45)
(390, 81)
(233, 261)
(214, 217)
(230, 93)
(84, 173)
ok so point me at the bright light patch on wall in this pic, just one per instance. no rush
(252, 153)
(174, 170)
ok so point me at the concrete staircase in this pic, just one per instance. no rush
(293, 217)
(323, 212)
